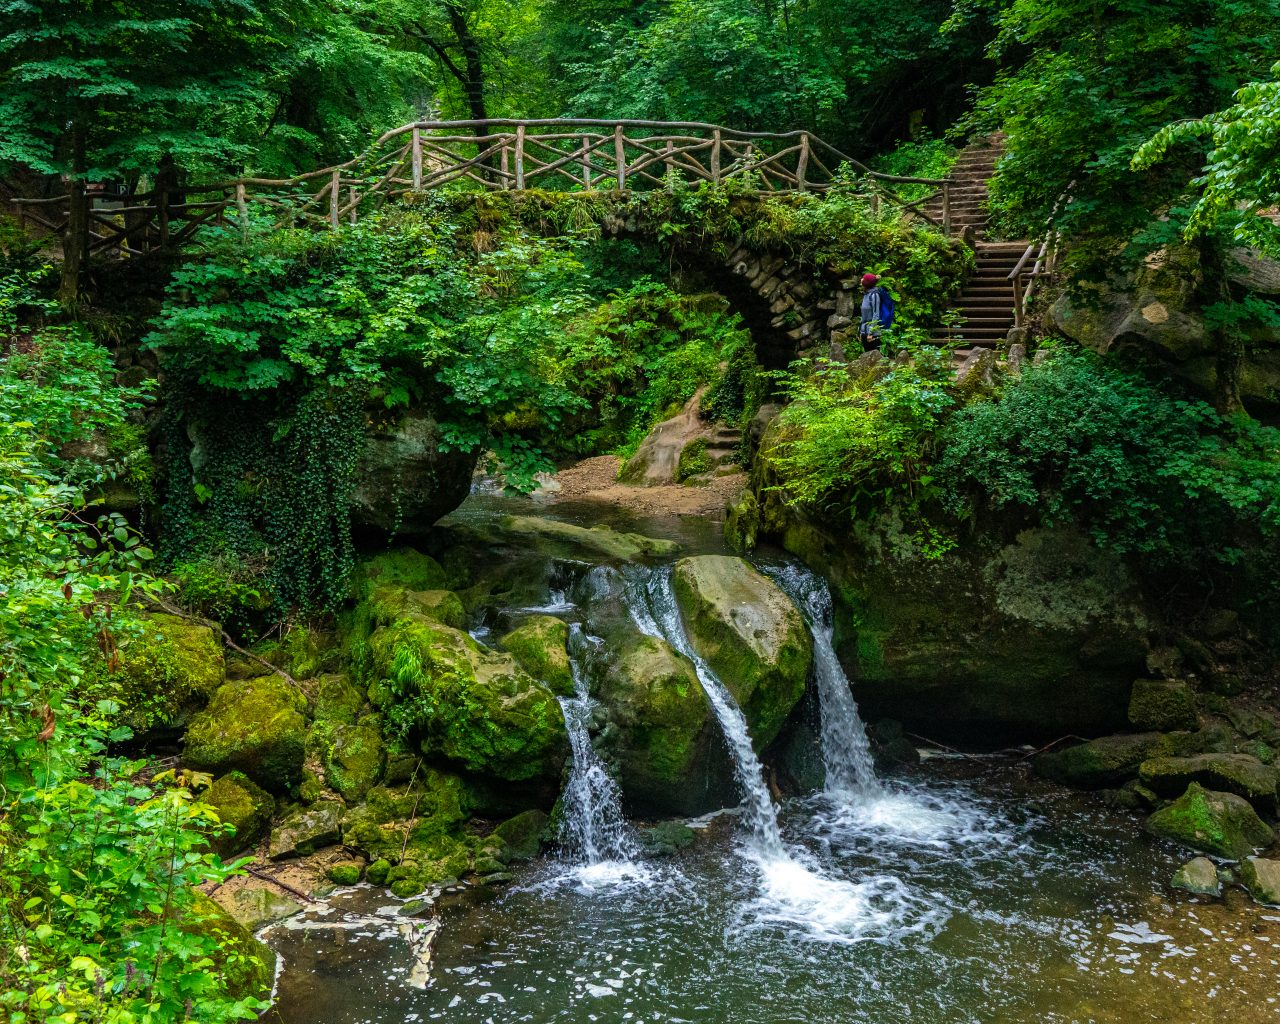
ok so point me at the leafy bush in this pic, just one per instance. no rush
(923, 157)
(1143, 472)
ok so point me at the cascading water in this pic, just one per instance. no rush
(846, 752)
(592, 827)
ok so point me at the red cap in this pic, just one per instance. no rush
(869, 279)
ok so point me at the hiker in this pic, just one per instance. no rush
(877, 311)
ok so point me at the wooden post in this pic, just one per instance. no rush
(620, 156)
(162, 214)
(416, 157)
(668, 162)
(802, 162)
(504, 161)
(586, 163)
(242, 210)
(335, 198)
(354, 197)
(715, 157)
(875, 204)
(520, 156)
(1017, 300)
(946, 209)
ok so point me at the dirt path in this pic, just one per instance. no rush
(596, 480)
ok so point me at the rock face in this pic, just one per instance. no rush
(242, 804)
(1153, 313)
(662, 736)
(541, 647)
(258, 727)
(353, 756)
(168, 671)
(405, 482)
(1262, 878)
(750, 634)
(1198, 876)
(1232, 773)
(1162, 704)
(1220, 824)
(467, 704)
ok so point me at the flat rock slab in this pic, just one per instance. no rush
(1230, 773)
(1262, 878)
(306, 830)
(1198, 876)
(1220, 824)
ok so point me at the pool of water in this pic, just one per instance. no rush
(966, 892)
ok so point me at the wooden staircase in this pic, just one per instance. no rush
(986, 302)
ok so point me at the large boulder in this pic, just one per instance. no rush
(405, 481)
(242, 804)
(246, 965)
(353, 756)
(540, 646)
(661, 734)
(1198, 876)
(467, 704)
(1232, 773)
(1220, 824)
(1162, 704)
(170, 668)
(256, 726)
(1106, 761)
(1262, 878)
(750, 634)
(304, 830)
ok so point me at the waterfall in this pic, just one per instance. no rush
(592, 825)
(846, 751)
(656, 613)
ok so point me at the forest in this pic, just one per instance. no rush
(451, 451)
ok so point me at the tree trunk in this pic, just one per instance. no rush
(75, 239)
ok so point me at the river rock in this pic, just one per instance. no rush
(1199, 876)
(353, 756)
(540, 646)
(521, 835)
(306, 829)
(467, 704)
(1262, 878)
(256, 906)
(667, 838)
(169, 670)
(1103, 762)
(566, 539)
(750, 634)
(1232, 773)
(1162, 704)
(245, 965)
(1220, 824)
(662, 737)
(256, 726)
(242, 804)
(337, 699)
(405, 481)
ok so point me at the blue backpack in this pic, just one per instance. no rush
(886, 306)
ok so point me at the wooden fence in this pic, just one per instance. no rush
(495, 155)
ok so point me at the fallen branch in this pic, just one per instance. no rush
(1050, 746)
(940, 746)
(283, 885)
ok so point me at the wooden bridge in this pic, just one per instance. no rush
(492, 155)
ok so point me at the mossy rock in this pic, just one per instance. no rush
(345, 872)
(750, 634)
(466, 703)
(308, 652)
(1232, 773)
(556, 538)
(169, 670)
(1262, 878)
(1161, 705)
(256, 726)
(304, 830)
(540, 646)
(243, 804)
(354, 759)
(1107, 761)
(521, 836)
(1199, 877)
(337, 699)
(401, 567)
(742, 522)
(662, 735)
(247, 965)
(1220, 824)
(256, 906)
(667, 838)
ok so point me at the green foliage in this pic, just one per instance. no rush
(1077, 440)
(921, 157)
(855, 440)
(1241, 181)
(693, 460)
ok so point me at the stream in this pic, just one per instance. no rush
(959, 890)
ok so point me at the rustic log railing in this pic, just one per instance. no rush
(494, 155)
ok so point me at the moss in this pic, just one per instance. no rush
(170, 668)
(242, 804)
(308, 652)
(465, 703)
(1106, 761)
(337, 699)
(750, 634)
(742, 522)
(345, 872)
(1162, 704)
(376, 873)
(1217, 823)
(247, 965)
(521, 836)
(1233, 773)
(402, 567)
(354, 760)
(693, 460)
(541, 647)
(258, 727)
